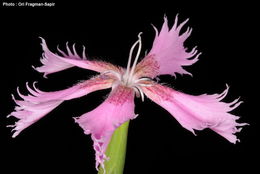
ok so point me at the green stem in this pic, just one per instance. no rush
(116, 151)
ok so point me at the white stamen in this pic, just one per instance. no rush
(136, 57)
(114, 73)
(143, 79)
(130, 57)
(136, 92)
(145, 85)
(140, 91)
(130, 70)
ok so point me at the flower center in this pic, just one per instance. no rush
(128, 78)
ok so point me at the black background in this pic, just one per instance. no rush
(224, 33)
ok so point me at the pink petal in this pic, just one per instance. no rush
(33, 107)
(102, 121)
(30, 114)
(168, 53)
(52, 63)
(198, 112)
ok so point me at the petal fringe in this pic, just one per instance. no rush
(52, 63)
(168, 54)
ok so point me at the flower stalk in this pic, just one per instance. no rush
(116, 151)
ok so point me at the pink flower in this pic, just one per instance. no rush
(166, 57)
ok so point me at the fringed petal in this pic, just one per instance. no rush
(29, 113)
(52, 63)
(102, 121)
(34, 106)
(168, 55)
(198, 112)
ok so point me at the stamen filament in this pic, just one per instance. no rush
(143, 79)
(130, 70)
(136, 57)
(116, 74)
(139, 91)
(130, 58)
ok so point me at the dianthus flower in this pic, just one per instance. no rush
(166, 57)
